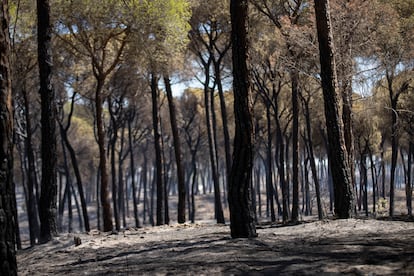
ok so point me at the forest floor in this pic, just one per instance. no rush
(353, 246)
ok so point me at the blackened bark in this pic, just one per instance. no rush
(343, 191)
(382, 166)
(8, 265)
(394, 97)
(374, 180)
(48, 196)
(295, 145)
(408, 187)
(74, 160)
(122, 196)
(79, 182)
(158, 154)
(218, 210)
(311, 155)
(242, 218)
(217, 190)
(32, 211)
(280, 157)
(132, 168)
(104, 187)
(177, 151)
(115, 200)
(269, 164)
(226, 135)
(347, 118)
(345, 77)
(364, 180)
(193, 188)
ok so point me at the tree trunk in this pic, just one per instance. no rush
(306, 192)
(66, 191)
(345, 76)
(104, 189)
(394, 97)
(295, 145)
(147, 203)
(280, 157)
(223, 109)
(72, 154)
(166, 169)
(269, 165)
(312, 158)
(218, 210)
(193, 185)
(78, 209)
(75, 165)
(408, 187)
(48, 196)
(394, 150)
(32, 211)
(132, 168)
(112, 145)
(122, 194)
(242, 218)
(343, 191)
(115, 187)
(158, 154)
(177, 151)
(364, 176)
(8, 265)
(258, 191)
(217, 190)
(374, 180)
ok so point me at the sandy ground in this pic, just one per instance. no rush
(354, 247)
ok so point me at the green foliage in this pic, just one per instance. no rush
(159, 29)
(22, 19)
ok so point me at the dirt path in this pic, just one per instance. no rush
(355, 247)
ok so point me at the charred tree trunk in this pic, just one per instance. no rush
(269, 165)
(364, 181)
(132, 168)
(115, 198)
(104, 185)
(193, 185)
(32, 211)
(280, 157)
(122, 193)
(242, 218)
(177, 151)
(218, 210)
(223, 108)
(408, 187)
(345, 76)
(295, 145)
(158, 154)
(217, 189)
(74, 160)
(66, 190)
(394, 154)
(79, 182)
(8, 265)
(112, 146)
(48, 196)
(382, 169)
(394, 97)
(312, 157)
(343, 191)
(166, 170)
(374, 180)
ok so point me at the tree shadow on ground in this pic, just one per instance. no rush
(277, 251)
